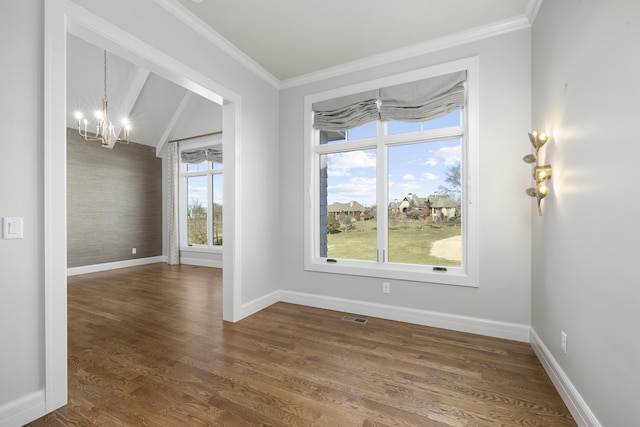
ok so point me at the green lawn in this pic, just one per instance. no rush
(409, 242)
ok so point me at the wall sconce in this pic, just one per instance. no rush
(541, 173)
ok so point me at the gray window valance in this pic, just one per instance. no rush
(346, 112)
(415, 101)
(199, 156)
(423, 99)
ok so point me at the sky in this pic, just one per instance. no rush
(197, 186)
(418, 168)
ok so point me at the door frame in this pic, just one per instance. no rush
(62, 17)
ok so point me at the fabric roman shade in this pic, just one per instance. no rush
(415, 101)
(423, 99)
(346, 112)
(199, 156)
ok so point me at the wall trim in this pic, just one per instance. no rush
(85, 269)
(474, 325)
(259, 304)
(533, 7)
(474, 34)
(54, 178)
(446, 42)
(184, 15)
(23, 410)
(74, 271)
(581, 412)
(201, 262)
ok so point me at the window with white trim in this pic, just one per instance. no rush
(390, 172)
(201, 197)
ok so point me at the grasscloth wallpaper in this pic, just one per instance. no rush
(114, 202)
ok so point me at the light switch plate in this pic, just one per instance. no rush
(12, 228)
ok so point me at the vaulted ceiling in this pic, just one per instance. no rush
(284, 41)
(158, 109)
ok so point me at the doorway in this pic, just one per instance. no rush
(65, 17)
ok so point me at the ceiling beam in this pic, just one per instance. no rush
(164, 139)
(130, 97)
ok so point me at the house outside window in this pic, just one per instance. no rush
(390, 168)
(201, 197)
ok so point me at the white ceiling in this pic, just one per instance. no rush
(282, 40)
(290, 38)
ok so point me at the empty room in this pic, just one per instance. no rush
(355, 213)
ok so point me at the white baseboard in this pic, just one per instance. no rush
(201, 262)
(114, 265)
(23, 410)
(511, 331)
(581, 412)
(259, 304)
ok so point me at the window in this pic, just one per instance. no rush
(202, 182)
(390, 166)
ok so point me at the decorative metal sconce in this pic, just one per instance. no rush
(541, 173)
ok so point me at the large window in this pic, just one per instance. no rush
(202, 183)
(391, 173)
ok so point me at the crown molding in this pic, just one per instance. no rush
(195, 23)
(472, 35)
(532, 10)
(464, 37)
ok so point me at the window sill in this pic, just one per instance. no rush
(453, 276)
(202, 249)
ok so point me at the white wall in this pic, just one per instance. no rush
(505, 220)
(201, 258)
(21, 161)
(586, 86)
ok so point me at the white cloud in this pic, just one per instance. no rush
(430, 176)
(431, 161)
(364, 181)
(407, 187)
(408, 177)
(451, 155)
(360, 189)
(341, 164)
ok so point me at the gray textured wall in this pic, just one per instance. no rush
(114, 202)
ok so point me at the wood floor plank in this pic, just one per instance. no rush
(148, 347)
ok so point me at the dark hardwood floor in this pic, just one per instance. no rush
(148, 347)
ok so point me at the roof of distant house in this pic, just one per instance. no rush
(441, 201)
(345, 207)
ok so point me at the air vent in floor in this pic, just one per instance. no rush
(354, 320)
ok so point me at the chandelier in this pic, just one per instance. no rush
(105, 130)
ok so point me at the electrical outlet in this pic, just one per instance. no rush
(133, 251)
(386, 288)
(563, 342)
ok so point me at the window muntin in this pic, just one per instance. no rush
(197, 167)
(216, 165)
(460, 126)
